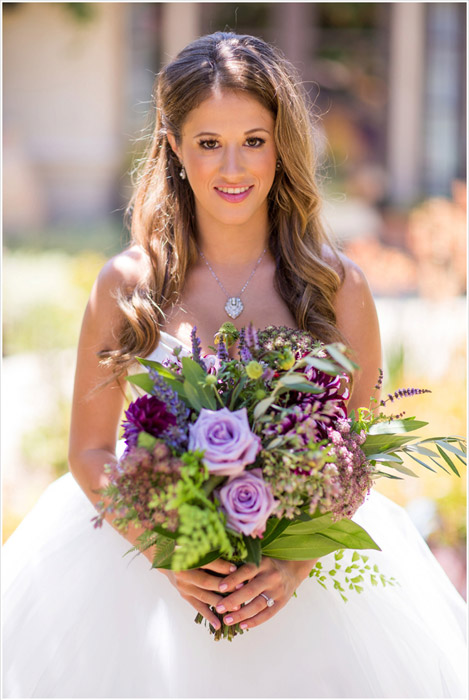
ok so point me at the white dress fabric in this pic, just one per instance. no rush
(81, 620)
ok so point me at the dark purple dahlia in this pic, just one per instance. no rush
(326, 407)
(147, 414)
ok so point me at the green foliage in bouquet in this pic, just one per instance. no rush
(255, 455)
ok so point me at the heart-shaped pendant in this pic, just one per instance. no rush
(233, 307)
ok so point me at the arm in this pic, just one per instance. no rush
(358, 322)
(97, 409)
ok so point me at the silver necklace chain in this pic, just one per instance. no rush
(234, 306)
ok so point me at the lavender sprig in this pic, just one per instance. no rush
(402, 393)
(196, 348)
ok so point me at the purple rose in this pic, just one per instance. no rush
(227, 440)
(247, 502)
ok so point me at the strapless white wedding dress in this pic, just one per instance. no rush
(81, 620)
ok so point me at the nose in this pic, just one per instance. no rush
(232, 164)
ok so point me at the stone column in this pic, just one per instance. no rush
(180, 27)
(406, 89)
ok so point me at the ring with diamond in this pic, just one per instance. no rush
(270, 601)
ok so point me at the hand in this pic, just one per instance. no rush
(276, 578)
(200, 588)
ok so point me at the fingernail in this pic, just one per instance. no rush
(216, 625)
(243, 625)
(222, 586)
(221, 608)
(233, 568)
(228, 620)
(240, 585)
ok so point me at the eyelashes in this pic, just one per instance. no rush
(213, 144)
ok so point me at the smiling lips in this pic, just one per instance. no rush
(234, 194)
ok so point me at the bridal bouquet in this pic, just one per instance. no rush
(256, 455)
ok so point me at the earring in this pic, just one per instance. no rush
(278, 165)
(182, 173)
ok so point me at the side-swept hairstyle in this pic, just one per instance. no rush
(162, 210)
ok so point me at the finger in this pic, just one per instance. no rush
(204, 596)
(243, 596)
(256, 606)
(199, 578)
(263, 616)
(220, 566)
(245, 573)
(205, 611)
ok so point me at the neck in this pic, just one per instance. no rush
(236, 245)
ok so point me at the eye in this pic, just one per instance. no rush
(254, 141)
(208, 144)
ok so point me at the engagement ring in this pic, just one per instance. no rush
(270, 601)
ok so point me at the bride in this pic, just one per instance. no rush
(225, 220)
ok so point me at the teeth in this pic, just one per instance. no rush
(233, 190)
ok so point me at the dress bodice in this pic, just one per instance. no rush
(166, 346)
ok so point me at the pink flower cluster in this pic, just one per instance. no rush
(354, 473)
(140, 477)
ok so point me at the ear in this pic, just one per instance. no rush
(173, 143)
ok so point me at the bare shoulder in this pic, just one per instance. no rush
(123, 271)
(120, 274)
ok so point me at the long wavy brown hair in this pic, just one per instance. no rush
(162, 210)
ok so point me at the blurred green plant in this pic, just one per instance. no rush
(44, 298)
(46, 445)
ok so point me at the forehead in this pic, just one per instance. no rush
(227, 110)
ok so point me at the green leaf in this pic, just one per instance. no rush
(206, 559)
(402, 470)
(448, 460)
(273, 529)
(192, 371)
(451, 448)
(297, 382)
(194, 377)
(405, 425)
(163, 553)
(375, 444)
(161, 369)
(263, 406)
(417, 447)
(416, 459)
(339, 357)
(165, 533)
(324, 365)
(146, 440)
(344, 534)
(384, 457)
(253, 546)
(309, 527)
(192, 396)
(239, 387)
(141, 380)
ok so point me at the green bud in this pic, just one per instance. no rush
(228, 333)
(254, 370)
(210, 380)
(286, 359)
(260, 394)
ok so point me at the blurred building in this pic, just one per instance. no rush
(387, 78)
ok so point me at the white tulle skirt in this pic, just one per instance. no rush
(82, 620)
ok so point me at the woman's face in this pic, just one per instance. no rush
(229, 154)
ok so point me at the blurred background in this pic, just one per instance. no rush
(387, 81)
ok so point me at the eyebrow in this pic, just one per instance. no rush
(250, 131)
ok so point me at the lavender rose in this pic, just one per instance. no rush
(227, 440)
(247, 502)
